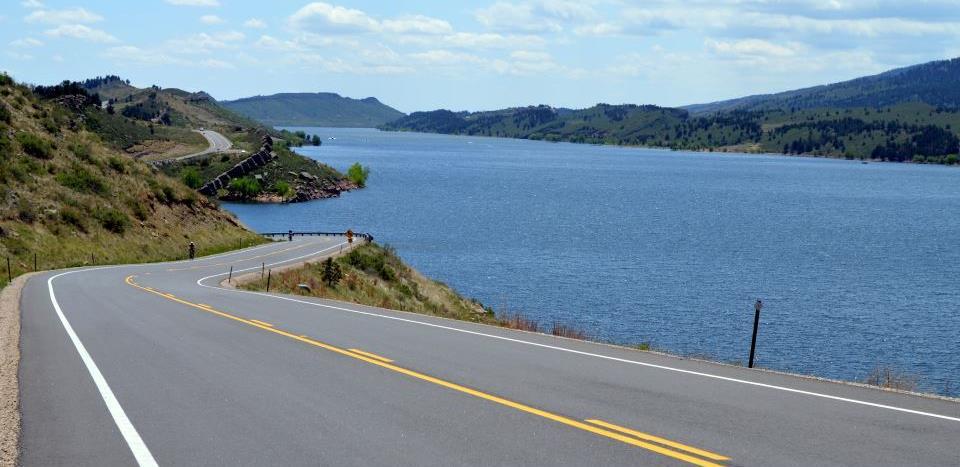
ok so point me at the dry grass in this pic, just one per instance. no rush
(570, 332)
(892, 378)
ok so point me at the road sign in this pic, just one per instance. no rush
(349, 236)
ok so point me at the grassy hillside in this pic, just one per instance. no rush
(908, 129)
(157, 124)
(319, 109)
(70, 196)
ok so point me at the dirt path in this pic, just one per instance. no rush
(9, 365)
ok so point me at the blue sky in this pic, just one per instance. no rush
(419, 55)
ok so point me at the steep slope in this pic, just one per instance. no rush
(934, 83)
(319, 109)
(70, 197)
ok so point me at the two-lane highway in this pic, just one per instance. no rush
(158, 364)
(216, 141)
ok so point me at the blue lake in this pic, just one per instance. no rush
(857, 265)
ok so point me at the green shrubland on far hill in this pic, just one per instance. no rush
(910, 114)
(322, 109)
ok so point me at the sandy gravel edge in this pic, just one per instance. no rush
(9, 368)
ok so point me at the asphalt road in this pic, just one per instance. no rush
(158, 364)
(217, 142)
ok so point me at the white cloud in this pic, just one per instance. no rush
(32, 4)
(82, 32)
(417, 24)
(194, 2)
(332, 18)
(19, 56)
(472, 40)
(254, 23)
(445, 57)
(751, 48)
(526, 55)
(535, 16)
(66, 16)
(211, 19)
(204, 43)
(26, 42)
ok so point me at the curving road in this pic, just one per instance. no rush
(217, 143)
(157, 364)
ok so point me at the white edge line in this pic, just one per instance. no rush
(134, 442)
(563, 349)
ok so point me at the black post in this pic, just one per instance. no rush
(268, 279)
(230, 277)
(91, 259)
(756, 324)
(9, 271)
(34, 262)
(263, 267)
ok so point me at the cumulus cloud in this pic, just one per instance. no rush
(324, 17)
(31, 4)
(255, 23)
(82, 32)
(65, 16)
(211, 19)
(205, 43)
(418, 24)
(194, 2)
(535, 16)
(26, 42)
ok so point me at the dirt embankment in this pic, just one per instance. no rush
(9, 367)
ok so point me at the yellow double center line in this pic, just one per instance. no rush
(607, 430)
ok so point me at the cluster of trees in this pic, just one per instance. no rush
(930, 141)
(66, 88)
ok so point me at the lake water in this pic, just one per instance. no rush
(858, 265)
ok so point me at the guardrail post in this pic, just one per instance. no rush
(230, 277)
(756, 324)
(34, 262)
(268, 279)
(9, 271)
(263, 267)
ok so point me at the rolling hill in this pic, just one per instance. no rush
(933, 83)
(909, 114)
(314, 109)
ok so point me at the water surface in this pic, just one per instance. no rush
(857, 265)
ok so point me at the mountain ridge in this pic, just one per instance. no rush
(326, 109)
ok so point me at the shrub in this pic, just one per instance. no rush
(113, 220)
(82, 151)
(138, 208)
(35, 145)
(191, 177)
(116, 164)
(245, 187)
(331, 274)
(282, 188)
(73, 217)
(81, 180)
(951, 159)
(5, 115)
(5, 80)
(25, 211)
(358, 174)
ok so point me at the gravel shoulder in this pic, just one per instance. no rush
(9, 367)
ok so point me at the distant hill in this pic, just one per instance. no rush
(934, 83)
(910, 114)
(314, 109)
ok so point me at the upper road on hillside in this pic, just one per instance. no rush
(217, 143)
(159, 364)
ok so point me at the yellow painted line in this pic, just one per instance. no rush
(449, 385)
(371, 355)
(261, 322)
(204, 305)
(663, 441)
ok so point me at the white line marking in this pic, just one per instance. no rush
(579, 352)
(130, 435)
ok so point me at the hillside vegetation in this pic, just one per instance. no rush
(69, 196)
(157, 124)
(314, 109)
(918, 121)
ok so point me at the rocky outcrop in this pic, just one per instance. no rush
(244, 167)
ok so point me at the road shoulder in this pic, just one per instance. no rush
(9, 369)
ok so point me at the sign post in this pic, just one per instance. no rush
(756, 324)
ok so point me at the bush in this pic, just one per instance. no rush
(35, 145)
(5, 80)
(113, 220)
(245, 187)
(81, 180)
(282, 188)
(82, 151)
(951, 159)
(191, 177)
(331, 274)
(73, 217)
(5, 115)
(25, 211)
(358, 174)
(139, 209)
(116, 164)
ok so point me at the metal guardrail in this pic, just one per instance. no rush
(364, 236)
